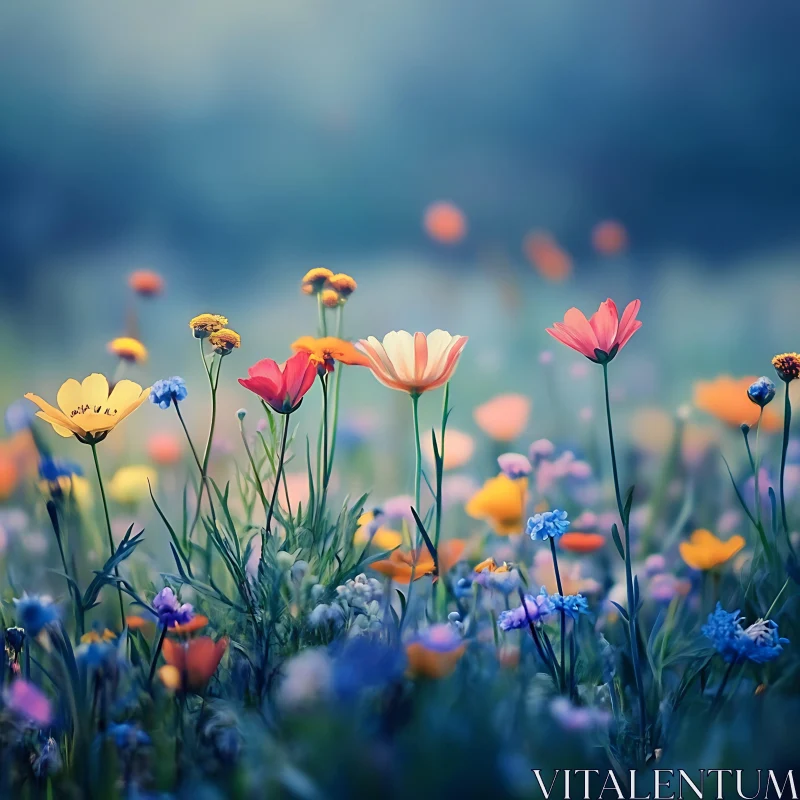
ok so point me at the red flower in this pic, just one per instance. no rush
(191, 665)
(281, 386)
(601, 337)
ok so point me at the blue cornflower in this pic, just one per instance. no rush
(169, 610)
(758, 643)
(34, 612)
(573, 605)
(19, 416)
(163, 392)
(549, 525)
(51, 469)
(764, 642)
(536, 608)
(762, 391)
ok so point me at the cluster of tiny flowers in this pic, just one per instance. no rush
(761, 391)
(163, 392)
(536, 608)
(358, 601)
(759, 643)
(573, 605)
(549, 525)
(169, 610)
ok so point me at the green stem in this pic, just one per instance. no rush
(718, 696)
(156, 654)
(787, 421)
(256, 476)
(323, 323)
(418, 470)
(336, 383)
(563, 665)
(757, 468)
(108, 528)
(203, 482)
(632, 626)
(275, 487)
(325, 470)
(440, 468)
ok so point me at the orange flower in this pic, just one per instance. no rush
(458, 448)
(574, 542)
(435, 653)
(193, 662)
(726, 399)
(445, 223)
(329, 349)
(146, 282)
(400, 564)
(547, 256)
(136, 623)
(609, 237)
(196, 623)
(501, 502)
(315, 279)
(503, 418)
(343, 284)
(128, 348)
(704, 551)
(164, 448)
(9, 475)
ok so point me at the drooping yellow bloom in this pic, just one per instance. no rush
(314, 280)
(87, 410)
(705, 551)
(343, 284)
(224, 340)
(131, 485)
(128, 348)
(204, 325)
(501, 503)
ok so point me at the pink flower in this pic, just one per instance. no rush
(27, 700)
(601, 337)
(281, 386)
(504, 417)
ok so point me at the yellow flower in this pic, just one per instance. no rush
(224, 340)
(343, 284)
(74, 486)
(315, 279)
(128, 348)
(705, 551)
(501, 503)
(205, 324)
(383, 538)
(88, 411)
(129, 485)
(95, 637)
(787, 365)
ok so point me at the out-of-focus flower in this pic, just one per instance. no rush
(445, 223)
(343, 284)
(203, 325)
(330, 298)
(654, 564)
(281, 386)
(575, 542)
(170, 611)
(127, 737)
(315, 280)
(129, 349)
(9, 477)
(130, 485)
(413, 363)
(602, 336)
(95, 636)
(191, 664)
(502, 578)
(759, 642)
(435, 652)
(87, 410)
(705, 551)
(541, 448)
(380, 537)
(307, 680)
(15, 639)
(665, 586)
(48, 760)
(547, 525)
(547, 256)
(60, 478)
(787, 365)
(652, 430)
(572, 579)
(224, 341)
(609, 237)
(34, 612)
(458, 448)
(504, 417)
(28, 701)
(573, 605)
(761, 391)
(164, 448)
(326, 351)
(146, 282)
(51, 469)
(578, 718)
(195, 623)
(458, 489)
(726, 399)
(168, 390)
(19, 416)
(501, 502)
(514, 465)
(535, 609)
(402, 564)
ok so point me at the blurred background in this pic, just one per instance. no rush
(475, 167)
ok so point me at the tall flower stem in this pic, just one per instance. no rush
(418, 451)
(323, 323)
(757, 468)
(440, 472)
(325, 471)
(563, 665)
(726, 677)
(632, 626)
(787, 422)
(156, 654)
(256, 476)
(203, 482)
(108, 528)
(337, 379)
(278, 471)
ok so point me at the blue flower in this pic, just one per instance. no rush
(34, 612)
(536, 608)
(51, 469)
(764, 644)
(163, 392)
(573, 605)
(761, 392)
(549, 525)
(169, 610)
(19, 416)
(127, 737)
(758, 643)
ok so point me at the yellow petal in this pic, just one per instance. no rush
(50, 411)
(70, 397)
(95, 390)
(60, 429)
(124, 394)
(134, 405)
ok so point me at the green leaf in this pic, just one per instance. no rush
(617, 541)
(626, 511)
(621, 610)
(428, 542)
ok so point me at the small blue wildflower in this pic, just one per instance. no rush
(536, 608)
(573, 605)
(128, 737)
(163, 392)
(764, 643)
(51, 469)
(34, 612)
(169, 610)
(549, 525)
(758, 643)
(19, 416)
(762, 391)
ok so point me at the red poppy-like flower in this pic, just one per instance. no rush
(282, 386)
(576, 542)
(192, 663)
(602, 336)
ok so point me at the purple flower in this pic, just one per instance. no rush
(169, 610)
(441, 638)
(27, 700)
(576, 718)
(536, 608)
(514, 465)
